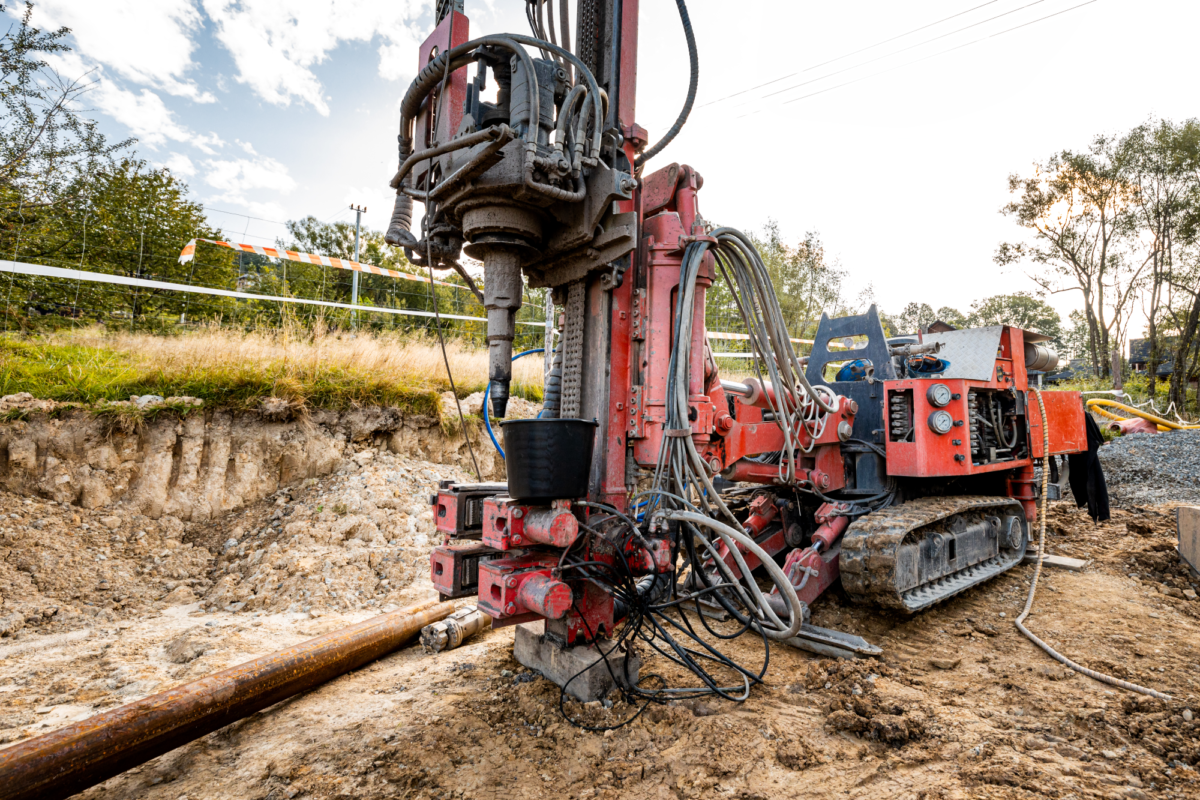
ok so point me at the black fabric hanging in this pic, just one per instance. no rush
(1087, 476)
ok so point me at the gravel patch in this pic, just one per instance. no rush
(1149, 469)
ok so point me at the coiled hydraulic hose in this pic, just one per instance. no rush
(1020, 621)
(1097, 403)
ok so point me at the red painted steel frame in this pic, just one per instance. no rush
(932, 455)
(451, 108)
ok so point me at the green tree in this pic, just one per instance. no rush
(1021, 310)
(45, 143)
(805, 282)
(1076, 338)
(1078, 211)
(1166, 166)
(915, 317)
(952, 316)
(130, 220)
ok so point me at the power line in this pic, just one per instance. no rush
(847, 55)
(905, 49)
(901, 36)
(247, 216)
(926, 58)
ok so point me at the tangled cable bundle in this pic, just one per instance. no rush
(684, 504)
(657, 616)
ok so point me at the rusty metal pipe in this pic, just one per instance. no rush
(73, 758)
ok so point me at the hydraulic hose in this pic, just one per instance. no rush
(487, 417)
(734, 538)
(1096, 404)
(693, 81)
(1020, 621)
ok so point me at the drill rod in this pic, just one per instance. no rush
(81, 755)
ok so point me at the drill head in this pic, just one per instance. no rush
(502, 298)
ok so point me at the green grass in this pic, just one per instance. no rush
(225, 372)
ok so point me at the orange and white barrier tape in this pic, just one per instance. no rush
(189, 252)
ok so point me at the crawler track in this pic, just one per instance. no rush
(872, 545)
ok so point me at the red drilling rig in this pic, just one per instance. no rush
(904, 467)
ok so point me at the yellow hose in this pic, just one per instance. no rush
(1163, 425)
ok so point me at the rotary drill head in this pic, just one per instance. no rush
(502, 298)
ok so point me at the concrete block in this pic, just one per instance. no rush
(1187, 525)
(582, 665)
(1062, 562)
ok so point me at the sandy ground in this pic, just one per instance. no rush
(994, 718)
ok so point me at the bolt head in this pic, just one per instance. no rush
(511, 608)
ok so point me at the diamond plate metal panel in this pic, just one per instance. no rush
(971, 352)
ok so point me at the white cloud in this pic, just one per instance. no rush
(234, 177)
(180, 165)
(276, 43)
(149, 42)
(144, 112)
(239, 174)
(249, 148)
(208, 143)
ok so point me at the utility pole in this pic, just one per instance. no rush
(359, 210)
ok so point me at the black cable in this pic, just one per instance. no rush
(693, 82)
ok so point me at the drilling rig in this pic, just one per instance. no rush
(903, 468)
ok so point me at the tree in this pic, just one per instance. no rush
(45, 144)
(129, 220)
(914, 318)
(1021, 310)
(1078, 208)
(1165, 165)
(1076, 338)
(806, 284)
(952, 316)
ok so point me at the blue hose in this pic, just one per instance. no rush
(487, 415)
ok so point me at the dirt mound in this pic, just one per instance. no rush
(357, 539)
(60, 564)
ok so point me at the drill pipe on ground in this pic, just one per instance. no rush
(86, 753)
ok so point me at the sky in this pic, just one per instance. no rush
(888, 128)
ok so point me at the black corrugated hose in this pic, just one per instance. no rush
(694, 58)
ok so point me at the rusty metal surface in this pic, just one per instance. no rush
(86, 753)
(572, 344)
(871, 547)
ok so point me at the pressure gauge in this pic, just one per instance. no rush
(941, 422)
(938, 395)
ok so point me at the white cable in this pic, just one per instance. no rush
(1020, 621)
(732, 538)
(22, 268)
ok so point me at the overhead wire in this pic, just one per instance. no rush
(906, 49)
(923, 58)
(846, 55)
